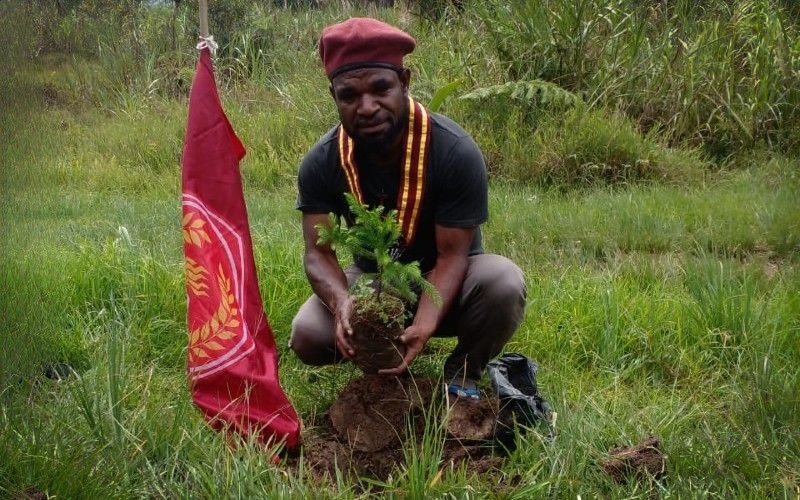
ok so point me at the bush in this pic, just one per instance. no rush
(538, 131)
(596, 147)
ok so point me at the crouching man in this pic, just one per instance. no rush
(388, 150)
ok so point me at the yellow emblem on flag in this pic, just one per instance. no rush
(221, 326)
(213, 335)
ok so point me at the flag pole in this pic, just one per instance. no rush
(204, 18)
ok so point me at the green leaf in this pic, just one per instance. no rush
(441, 94)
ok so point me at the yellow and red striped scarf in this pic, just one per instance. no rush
(414, 163)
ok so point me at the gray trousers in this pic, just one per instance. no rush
(486, 313)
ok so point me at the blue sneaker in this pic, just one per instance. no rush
(467, 388)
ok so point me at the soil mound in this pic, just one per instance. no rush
(371, 413)
(471, 419)
(366, 430)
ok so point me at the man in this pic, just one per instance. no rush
(389, 151)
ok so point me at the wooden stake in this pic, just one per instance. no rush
(203, 18)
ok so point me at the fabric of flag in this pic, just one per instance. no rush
(232, 357)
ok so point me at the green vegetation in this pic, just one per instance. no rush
(645, 175)
(373, 234)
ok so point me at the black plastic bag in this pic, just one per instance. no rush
(513, 379)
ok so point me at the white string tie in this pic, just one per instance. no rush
(207, 42)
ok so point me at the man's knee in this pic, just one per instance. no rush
(310, 344)
(501, 282)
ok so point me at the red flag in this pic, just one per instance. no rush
(232, 359)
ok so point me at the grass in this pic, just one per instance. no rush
(667, 305)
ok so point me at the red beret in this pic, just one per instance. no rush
(363, 42)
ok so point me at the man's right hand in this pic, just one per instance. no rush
(343, 330)
(328, 281)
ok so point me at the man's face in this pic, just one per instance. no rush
(373, 105)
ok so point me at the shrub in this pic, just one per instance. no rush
(592, 147)
(537, 131)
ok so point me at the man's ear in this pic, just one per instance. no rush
(405, 78)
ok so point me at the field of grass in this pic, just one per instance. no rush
(661, 260)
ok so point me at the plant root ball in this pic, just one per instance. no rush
(377, 325)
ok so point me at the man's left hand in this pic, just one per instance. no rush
(414, 339)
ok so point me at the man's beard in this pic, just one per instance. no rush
(378, 144)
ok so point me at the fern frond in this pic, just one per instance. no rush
(535, 92)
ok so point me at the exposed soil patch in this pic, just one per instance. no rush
(628, 461)
(472, 420)
(31, 493)
(371, 413)
(365, 432)
(51, 94)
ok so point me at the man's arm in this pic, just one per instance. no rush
(447, 275)
(328, 280)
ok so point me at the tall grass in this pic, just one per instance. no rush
(719, 73)
(717, 76)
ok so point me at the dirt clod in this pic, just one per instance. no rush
(370, 414)
(31, 493)
(643, 458)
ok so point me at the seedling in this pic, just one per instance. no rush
(379, 311)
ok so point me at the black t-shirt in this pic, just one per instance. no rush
(456, 188)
